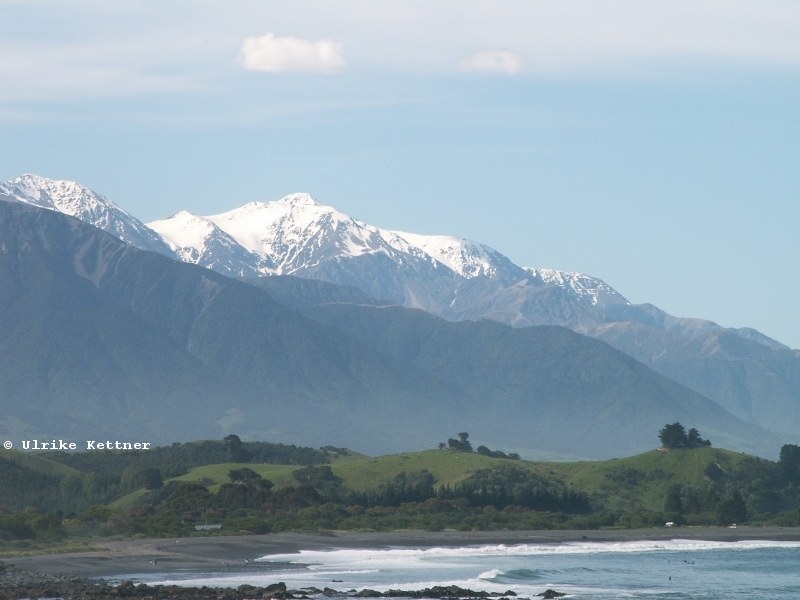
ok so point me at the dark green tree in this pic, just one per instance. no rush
(711, 500)
(152, 479)
(767, 501)
(673, 436)
(242, 475)
(790, 463)
(235, 447)
(673, 504)
(693, 503)
(462, 444)
(713, 471)
(484, 451)
(732, 510)
(693, 440)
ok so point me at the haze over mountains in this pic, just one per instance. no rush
(752, 376)
(99, 339)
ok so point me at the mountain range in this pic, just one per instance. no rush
(101, 340)
(755, 378)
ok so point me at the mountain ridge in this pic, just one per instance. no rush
(455, 279)
(100, 338)
(268, 236)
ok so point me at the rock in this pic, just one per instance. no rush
(16, 583)
(551, 594)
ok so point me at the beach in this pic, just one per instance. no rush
(238, 553)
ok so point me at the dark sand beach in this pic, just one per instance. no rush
(229, 553)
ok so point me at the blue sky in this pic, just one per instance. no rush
(655, 145)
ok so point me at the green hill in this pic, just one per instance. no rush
(431, 490)
(617, 485)
(37, 463)
(30, 480)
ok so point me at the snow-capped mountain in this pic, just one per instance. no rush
(299, 236)
(467, 258)
(457, 279)
(590, 290)
(297, 233)
(452, 277)
(198, 241)
(78, 201)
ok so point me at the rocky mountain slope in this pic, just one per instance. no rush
(102, 340)
(452, 278)
(78, 201)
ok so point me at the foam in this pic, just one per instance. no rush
(500, 567)
(404, 555)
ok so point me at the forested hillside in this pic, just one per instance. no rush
(171, 490)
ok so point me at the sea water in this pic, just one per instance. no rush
(646, 569)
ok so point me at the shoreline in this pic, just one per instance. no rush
(229, 553)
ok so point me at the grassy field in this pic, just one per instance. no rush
(617, 484)
(624, 484)
(36, 463)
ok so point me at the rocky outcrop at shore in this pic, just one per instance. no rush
(16, 584)
(451, 591)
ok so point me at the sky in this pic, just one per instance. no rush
(653, 144)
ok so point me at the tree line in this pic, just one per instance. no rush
(462, 444)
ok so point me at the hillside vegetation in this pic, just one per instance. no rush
(617, 485)
(119, 493)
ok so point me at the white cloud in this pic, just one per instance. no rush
(494, 61)
(95, 49)
(286, 54)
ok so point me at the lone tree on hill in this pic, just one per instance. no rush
(693, 440)
(675, 436)
(460, 445)
(234, 446)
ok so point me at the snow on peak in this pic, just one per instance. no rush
(298, 233)
(293, 235)
(183, 230)
(66, 197)
(467, 258)
(595, 291)
(300, 199)
(199, 241)
(77, 201)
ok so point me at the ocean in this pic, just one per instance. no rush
(645, 569)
